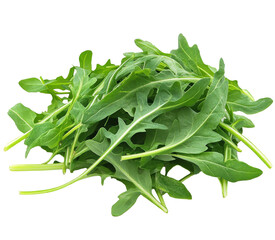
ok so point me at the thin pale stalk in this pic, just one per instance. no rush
(23, 137)
(36, 167)
(247, 142)
(72, 130)
(160, 197)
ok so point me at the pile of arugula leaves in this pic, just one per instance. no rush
(135, 121)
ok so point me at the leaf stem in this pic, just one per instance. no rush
(21, 138)
(36, 167)
(247, 142)
(77, 154)
(224, 183)
(160, 197)
(233, 145)
(72, 130)
(186, 177)
(16, 141)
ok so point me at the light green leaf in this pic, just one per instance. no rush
(23, 117)
(32, 85)
(85, 60)
(149, 48)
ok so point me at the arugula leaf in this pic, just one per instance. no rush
(191, 132)
(85, 60)
(23, 117)
(32, 85)
(190, 59)
(212, 164)
(240, 102)
(149, 48)
(125, 202)
(173, 187)
(157, 110)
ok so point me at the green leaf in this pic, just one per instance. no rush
(46, 134)
(129, 171)
(149, 48)
(190, 97)
(241, 102)
(34, 139)
(242, 122)
(125, 202)
(212, 164)
(23, 117)
(190, 132)
(173, 187)
(32, 85)
(125, 94)
(81, 84)
(85, 60)
(190, 59)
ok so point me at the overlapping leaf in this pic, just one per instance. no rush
(131, 121)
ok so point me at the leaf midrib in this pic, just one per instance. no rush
(30, 127)
(137, 89)
(186, 157)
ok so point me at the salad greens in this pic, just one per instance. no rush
(136, 121)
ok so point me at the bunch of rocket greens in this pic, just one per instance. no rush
(136, 121)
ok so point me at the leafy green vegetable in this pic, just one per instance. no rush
(23, 117)
(129, 122)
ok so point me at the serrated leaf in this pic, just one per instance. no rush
(241, 102)
(190, 58)
(190, 132)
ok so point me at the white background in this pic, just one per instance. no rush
(45, 38)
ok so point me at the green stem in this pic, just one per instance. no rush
(66, 160)
(224, 185)
(72, 130)
(160, 197)
(247, 142)
(21, 138)
(233, 145)
(61, 92)
(77, 154)
(186, 177)
(51, 157)
(140, 155)
(36, 167)
(17, 140)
